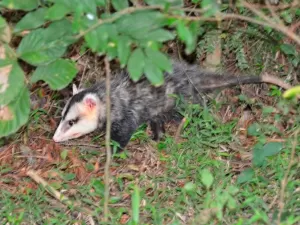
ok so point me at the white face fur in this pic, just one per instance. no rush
(82, 118)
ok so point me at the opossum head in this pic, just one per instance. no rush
(80, 116)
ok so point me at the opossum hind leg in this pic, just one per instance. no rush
(157, 126)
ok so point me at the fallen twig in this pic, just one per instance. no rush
(179, 130)
(62, 198)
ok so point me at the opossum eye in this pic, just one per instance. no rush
(72, 122)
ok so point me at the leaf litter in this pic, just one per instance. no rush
(42, 155)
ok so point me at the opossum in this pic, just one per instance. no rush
(136, 103)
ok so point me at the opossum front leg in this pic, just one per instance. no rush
(122, 130)
(157, 126)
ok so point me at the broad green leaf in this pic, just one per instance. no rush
(5, 32)
(43, 46)
(57, 74)
(31, 20)
(288, 49)
(153, 73)
(120, 4)
(137, 25)
(184, 33)
(99, 187)
(124, 46)
(292, 92)
(272, 148)
(261, 152)
(258, 155)
(159, 35)
(254, 129)
(98, 39)
(159, 59)
(112, 50)
(194, 28)
(178, 3)
(87, 6)
(69, 176)
(136, 63)
(207, 178)
(26, 5)
(80, 6)
(245, 176)
(135, 201)
(15, 114)
(11, 82)
(57, 11)
(101, 2)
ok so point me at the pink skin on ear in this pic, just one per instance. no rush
(90, 103)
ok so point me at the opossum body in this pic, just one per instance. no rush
(135, 103)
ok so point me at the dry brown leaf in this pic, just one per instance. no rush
(124, 219)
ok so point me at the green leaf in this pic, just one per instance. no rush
(136, 63)
(254, 129)
(57, 11)
(99, 187)
(5, 32)
(184, 33)
(288, 49)
(11, 82)
(159, 35)
(124, 46)
(135, 200)
(31, 20)
(207, 178)
(245, 176)
(43, 46)
(101, 2)
(272, 148)
(57, 74)
(120, 4)
(15, 114)
(112, 50)
(69, 176)
(189, 187)
(159, 59)
(292, 92)
(231, 203)
(137, 25)
(178, 3)
(64, 154)
(153, 73)
(98, 39)
(21, 4)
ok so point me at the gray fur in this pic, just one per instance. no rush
(136, 103)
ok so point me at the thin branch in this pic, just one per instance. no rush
(223, 16)
(107, 140)
(280, 27)
(286, 176)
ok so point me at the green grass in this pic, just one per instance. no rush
(194, 182)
